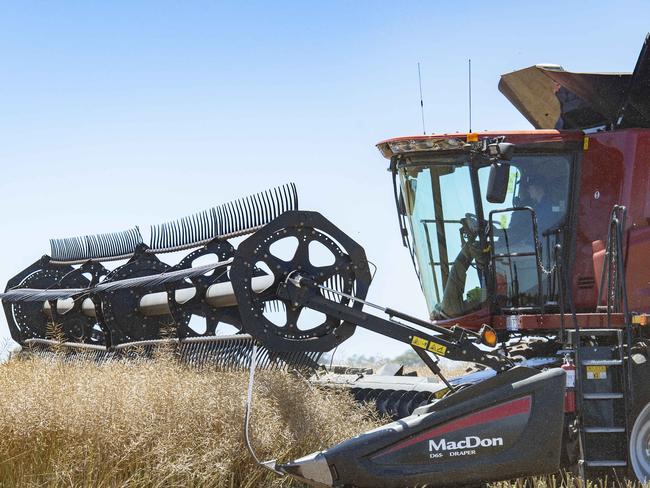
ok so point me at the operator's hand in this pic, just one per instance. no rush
(479, 255)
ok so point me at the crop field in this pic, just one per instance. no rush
(158, 423)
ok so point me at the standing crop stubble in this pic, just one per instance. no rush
(158, 423)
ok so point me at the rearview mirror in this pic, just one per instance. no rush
(498, 183)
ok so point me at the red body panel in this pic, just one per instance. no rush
(615, 169)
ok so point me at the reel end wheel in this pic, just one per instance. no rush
(309, 243)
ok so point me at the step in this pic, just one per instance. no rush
(564, 352)
(601, 362)
(602, 396)
(595, 332)
(605, 464)
(603, 430)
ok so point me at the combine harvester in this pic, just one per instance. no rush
(532, 251)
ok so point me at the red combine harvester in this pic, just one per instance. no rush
(544, 235)
(532, 250)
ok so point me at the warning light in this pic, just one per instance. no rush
(488, 336)
(472, 137)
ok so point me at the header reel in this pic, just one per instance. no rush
(297, 285)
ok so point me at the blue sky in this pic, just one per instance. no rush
(114, 114)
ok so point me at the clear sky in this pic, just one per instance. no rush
(114, 114)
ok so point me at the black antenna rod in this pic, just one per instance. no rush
(424, 130)
(470, 93)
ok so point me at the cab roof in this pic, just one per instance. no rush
(450, 141)
(552, 98)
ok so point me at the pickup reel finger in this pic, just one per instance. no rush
(307, 243)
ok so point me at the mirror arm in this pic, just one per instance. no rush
(400, 217)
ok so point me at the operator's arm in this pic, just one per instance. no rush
(453, 303)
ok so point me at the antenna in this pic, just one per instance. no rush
(424, 130)
(470, 93)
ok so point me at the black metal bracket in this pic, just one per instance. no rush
(456, 345)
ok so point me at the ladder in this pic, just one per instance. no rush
(603, 396)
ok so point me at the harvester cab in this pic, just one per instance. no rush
(483, 219)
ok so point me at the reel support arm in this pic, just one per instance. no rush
(303, 292)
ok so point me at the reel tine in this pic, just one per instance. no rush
(191, 229)
(72, 249)
(265, 359)
(65, 248)
(268, 204)
(197, 227)
(230, 356)
(109, 245)
(116, 241)
(91, 242)
(247, 221)
(294, 192)
(54, 247)
(284, 199)
(154, 233)
(234, 219)
(183, 230)
(250, 212)
(277, 206)
(229, 224)
(165, 236)
(238, 214)
(208, 223)
(186, 229)
(247, 215)
(215, 221)
(162, 237)
(66, 244)
(69, 244)
(79, 242)
(76, 246)
(255, 203)
(255, 210)
(263, 200)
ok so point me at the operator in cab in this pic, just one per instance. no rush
(516, 270)
(535, 192)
